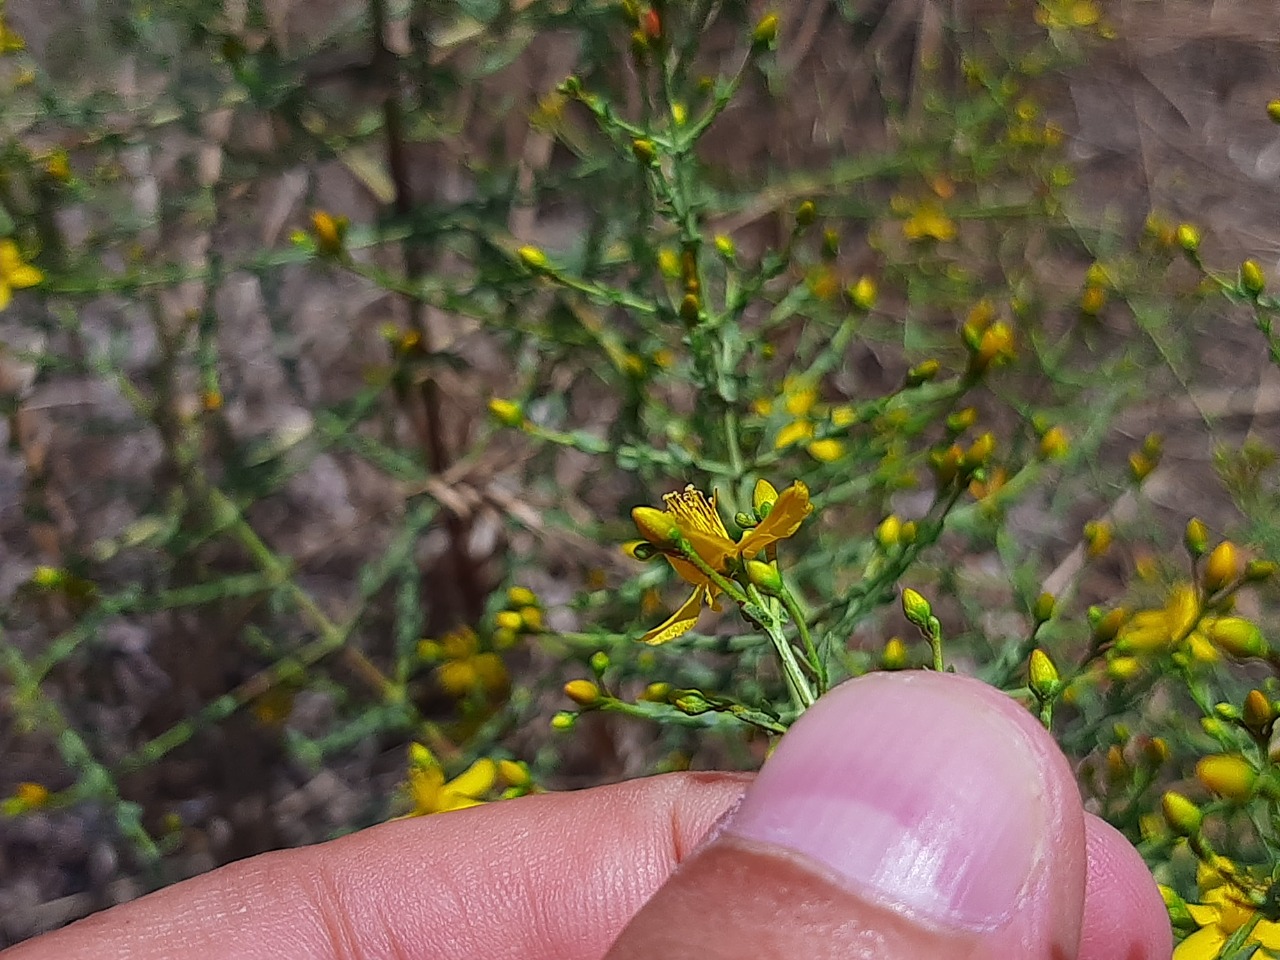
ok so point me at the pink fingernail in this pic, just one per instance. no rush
(919, 789)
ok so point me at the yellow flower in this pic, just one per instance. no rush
(430, 792)
(1224, 910)
(1160, 629)
(466, 668)
(929, 221)
(696, 519)
(14, 274)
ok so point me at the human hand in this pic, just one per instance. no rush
(905, 815)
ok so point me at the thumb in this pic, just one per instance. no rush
(905, 815)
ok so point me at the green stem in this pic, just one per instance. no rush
(816, 661)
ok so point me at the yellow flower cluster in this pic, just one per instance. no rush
(463, 667)
(1227, 903)
(799, 400)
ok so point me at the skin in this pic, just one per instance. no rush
(593, 874)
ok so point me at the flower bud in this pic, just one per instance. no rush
(889, 533)
(922, 373)
(806, 214)
(763, 497)
(1098, 535)
(582, 692)
(1054, 445)
(1123, 669)
(1258, 713)
(599, 662)
(1237, 637)
(1042, 675)
(1257, 571)
(1252, 280)
(1273, 111)
(656, 692)
(765, 576)
(1228, 775)
(690, 308)
(1222, 567)
(657, 526)
(1188, 237)
(1044, 607)
(533, 259)
(1183, 816)
(916, 609)
(765, 34)
(894, 655)
(1196, 537)
(864, 293)
(725, 246)
(507, 412)
(643, 150)
(1108, 625)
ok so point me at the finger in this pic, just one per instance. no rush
(905, 815)
(554, 877)
(1124, 916)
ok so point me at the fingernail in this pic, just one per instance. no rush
(920, 791)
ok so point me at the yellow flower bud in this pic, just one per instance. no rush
(643, 150)
(656, 692)
(563, 721)
(1196, 537)
(894, 655)
(31, 796)
(506, 412)
(1228, 775)
(994, 347)
(1258, 713)
(1257, 571)
(763, 497)
(923, 372)
(766, 32)
(1054, 445)
(908, 532)
(1188, 237)
(657, 526)
(521, 597)
(508, 620)
(1252, 280)
(864, 293)
(330, 232)
(1042, 675)
(889, 533)
(1273, 111)
(916, 608)
(1237, 637)
(1098, 535)
(806, 213)
(582, 692)
(1222, 567)
(725, 246)
(1109, 624)
(1044, 607)
(514, 773)
(765, 576)
(533, 259)
(1123, 669)
(690, 308)
(1181, 814)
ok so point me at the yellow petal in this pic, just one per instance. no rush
(1267, 933)
(477, 780)
(713, 551)
(1203, 914)
(826, 451)
(793, 432)
(688, 572)
(679, 623)
(24, 275)
(762, 494)
(1204, 944)
(784, 520)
